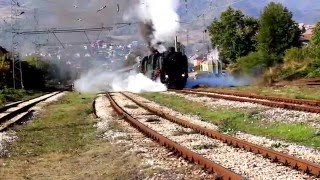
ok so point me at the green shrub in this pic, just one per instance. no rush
(297, 63)
(257, 62)
(8, 95)
(294, 55)
(252, 63)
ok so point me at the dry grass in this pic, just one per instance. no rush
(101, 161)
(62, 143)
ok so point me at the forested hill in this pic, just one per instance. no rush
(304, 11)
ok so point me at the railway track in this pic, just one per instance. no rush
(222, 172)
(15, 112)
(312, 106)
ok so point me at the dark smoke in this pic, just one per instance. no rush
(147, 30)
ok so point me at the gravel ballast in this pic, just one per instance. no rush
(247, 164)
(6, 139)
(307, 153)
(154, 157)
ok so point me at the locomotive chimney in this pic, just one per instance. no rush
(176, 43)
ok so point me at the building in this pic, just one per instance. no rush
(209, 63)
(214, 64)
(196, 60)
(307, 34)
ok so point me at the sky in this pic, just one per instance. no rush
(95, 13)
(304, 11)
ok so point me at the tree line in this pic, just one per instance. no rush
(268, 45)
(38, 74)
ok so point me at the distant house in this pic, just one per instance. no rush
(214, 64)
(209, 63)
(197, 60)
(307, 34)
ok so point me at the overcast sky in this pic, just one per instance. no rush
(92, 13)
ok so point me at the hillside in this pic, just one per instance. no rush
(303, 11)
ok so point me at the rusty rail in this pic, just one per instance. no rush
(222, 173)
(296, 163)
(277, 104)
(270, 98)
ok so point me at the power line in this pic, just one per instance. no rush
(53, 30)
(71, 30)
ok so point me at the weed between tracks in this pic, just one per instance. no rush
(235, 120)
(62, 143)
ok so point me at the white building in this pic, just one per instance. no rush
(214, 64)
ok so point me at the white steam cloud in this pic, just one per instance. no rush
(112, 81)
(163, 16)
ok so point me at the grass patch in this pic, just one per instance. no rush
(296, 92)
(235, 120)
(62, 143)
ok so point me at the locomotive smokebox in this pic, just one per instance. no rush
(170, 66)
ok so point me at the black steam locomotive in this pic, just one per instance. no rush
(170, 66)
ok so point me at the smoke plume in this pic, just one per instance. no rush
(159, 21)
(226, 80)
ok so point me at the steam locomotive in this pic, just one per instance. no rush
(171, 67)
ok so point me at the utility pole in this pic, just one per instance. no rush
(187, 37)
(36, 26)
(16, 62)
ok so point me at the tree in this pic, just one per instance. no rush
(278, 32)
(316, 35)
(36, 72)
(234, 34)
(313, 51)
(313, 48)
(4, 70)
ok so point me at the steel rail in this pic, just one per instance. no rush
(284, 105)
(271, 98)
(288, 160)
(8, 106)
(10, 115)
(6, 125)
(223, 173)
